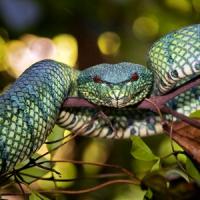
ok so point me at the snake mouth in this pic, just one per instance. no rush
(120, 103)
(129, 100)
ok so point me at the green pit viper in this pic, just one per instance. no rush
(33, 105)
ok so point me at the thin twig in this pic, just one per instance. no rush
(59, 140)
(101, 176)
(91, 189)
(130, 174)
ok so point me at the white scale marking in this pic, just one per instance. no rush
(64, 116)
(70, 118)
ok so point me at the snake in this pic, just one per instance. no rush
(32, 106)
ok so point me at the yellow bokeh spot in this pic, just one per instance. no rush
(17, 57)
(66, 49)
(96, 151)
(30, 49)
(180, 5)
(109, 43)
(145, 28)
(41, 48)
(2, 54)
(67, 171)
(20, 54)
(42, 150)
(28, 38)
(67, 136)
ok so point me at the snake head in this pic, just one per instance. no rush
(115, 85)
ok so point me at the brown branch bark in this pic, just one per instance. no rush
(149, 104)
(160, 101)
(186, 136)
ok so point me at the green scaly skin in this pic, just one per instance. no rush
(173, 59)
(30, 109)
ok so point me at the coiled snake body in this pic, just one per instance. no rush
(32, 106)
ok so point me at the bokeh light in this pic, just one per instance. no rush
(2, 54)
(66, 49)
(180, 5)
(145, 28)
(109, 43)
(29, 49)
(99, 154)
(18, 57)
(23, 53)
(66, 170)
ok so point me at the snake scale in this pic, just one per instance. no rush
(32, 106)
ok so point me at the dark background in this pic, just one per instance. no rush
(137, 22)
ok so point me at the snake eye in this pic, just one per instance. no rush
(134, 77)
(97, 79)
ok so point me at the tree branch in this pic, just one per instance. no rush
(160, 101)
(154, 103)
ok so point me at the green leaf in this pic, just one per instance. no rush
(141, 151)
(156, 166)
(156, 182)
(141, 167)
(131, 192)
(195, 114)
(192, 170)
(149, 194)
(37, 196)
